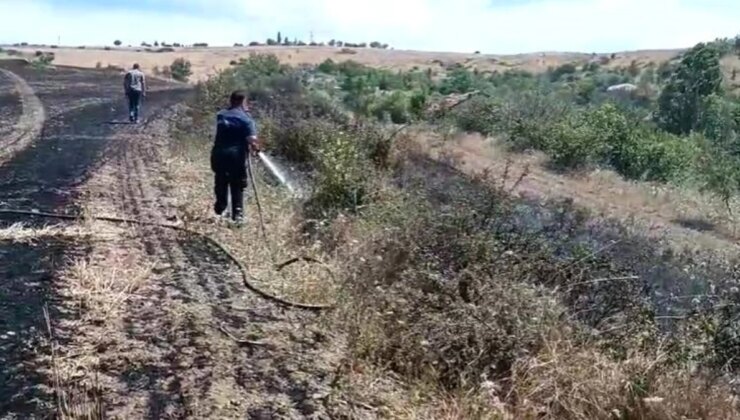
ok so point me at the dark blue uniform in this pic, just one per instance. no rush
(234, 128)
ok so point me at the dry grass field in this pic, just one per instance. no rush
(207, 61)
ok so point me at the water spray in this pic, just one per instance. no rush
(275, 171)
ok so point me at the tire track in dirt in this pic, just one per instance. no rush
(46, 174)
(168, 358)
(186, 366)
(29, 124)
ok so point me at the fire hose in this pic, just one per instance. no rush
(247, 278)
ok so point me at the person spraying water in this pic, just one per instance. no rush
(236, 136)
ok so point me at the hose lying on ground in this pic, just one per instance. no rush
(242, 268)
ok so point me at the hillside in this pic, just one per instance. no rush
(207, 61)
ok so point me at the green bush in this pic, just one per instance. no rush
(479, 114)
(560, 71)
(341, 173)
(418, 104)
(394, 107)
(654, 155)
(574, 144)
(180, 70)
(300, 140)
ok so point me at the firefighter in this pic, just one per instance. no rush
(236, 135)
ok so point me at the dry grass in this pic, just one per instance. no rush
(19, 233)
(306, 283)
(663, 209)
(207, 62)
(102, 286)
(566, 381)
(95, 290)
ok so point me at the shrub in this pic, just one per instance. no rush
(347, 51)
(117, 43)
(393, 107)
(180, 70)
(238, 45)
(649, 154)
(98, 65)
(418, 103)
(43, 60)
(254, 44)
(480, 114)
(565, 69)
(328, 66)
(341, 174)
(107, 48)
(574, 144)
(201, 45)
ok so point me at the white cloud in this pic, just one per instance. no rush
(456, 25)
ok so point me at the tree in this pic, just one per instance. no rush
(279, 38)
(117, 43)
(271, 41)
(332, 43)
(156, 43)
(697, 76)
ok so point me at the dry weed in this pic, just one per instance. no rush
(18, 232)
(102, 287)
(567, 381)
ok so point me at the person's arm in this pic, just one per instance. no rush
(143, 84)
(125, 82)
(252, 140)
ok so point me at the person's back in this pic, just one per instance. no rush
(135, 80)
(134, 84)
(233, 127)
(236, 132)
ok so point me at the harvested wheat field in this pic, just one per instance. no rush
(207, 61)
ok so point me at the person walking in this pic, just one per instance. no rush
(236, 135)
(134, 84)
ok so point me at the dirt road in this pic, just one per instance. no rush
(138, 314)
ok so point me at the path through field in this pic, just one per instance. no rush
(137, 313)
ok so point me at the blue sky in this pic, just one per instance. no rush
(492, 26)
